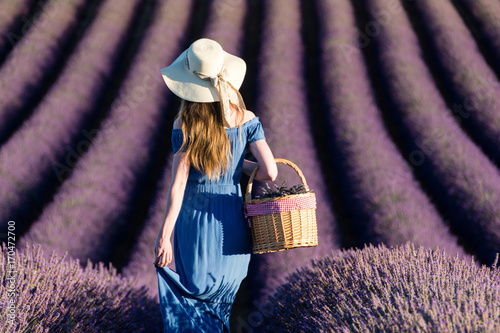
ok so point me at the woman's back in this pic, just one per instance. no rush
(251, 131)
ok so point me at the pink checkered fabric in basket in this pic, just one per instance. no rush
(280, 206)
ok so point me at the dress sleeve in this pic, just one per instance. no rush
(177, 138)
(255, 131)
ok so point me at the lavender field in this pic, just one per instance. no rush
(391, 109)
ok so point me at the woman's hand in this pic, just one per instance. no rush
(163, 251)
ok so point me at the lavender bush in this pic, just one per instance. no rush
(35, 59)
(43, 150)
(107, 176)
(382, 195)
(380, 289)
(282, 108)
(460, 179)
(60, 296)
(474, 85)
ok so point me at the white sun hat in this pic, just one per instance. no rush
(206, 73)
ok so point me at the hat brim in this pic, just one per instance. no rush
(183, 83)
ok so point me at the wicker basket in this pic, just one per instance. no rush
(289, 221)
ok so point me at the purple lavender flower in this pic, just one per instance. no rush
(378, 288)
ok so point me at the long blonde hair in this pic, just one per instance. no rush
(204, 136)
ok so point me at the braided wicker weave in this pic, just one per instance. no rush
(283, 230)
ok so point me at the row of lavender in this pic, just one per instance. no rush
(109, 175)
(57, 294)
(485, 16)
(472, 85)
(48, 144)
(14, 21)
(382, 197)
(37, 57)
(462, 182)
(82, 217)
(378, 289)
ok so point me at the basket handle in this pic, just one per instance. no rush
(248, 194)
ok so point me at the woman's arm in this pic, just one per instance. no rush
(163, 246)
(180, 172)
(265, 160)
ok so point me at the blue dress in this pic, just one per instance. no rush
(212, 244)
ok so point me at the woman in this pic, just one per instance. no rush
(212, 244)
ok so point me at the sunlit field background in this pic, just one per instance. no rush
(390, 108)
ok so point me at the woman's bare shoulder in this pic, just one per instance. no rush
(249, 115)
